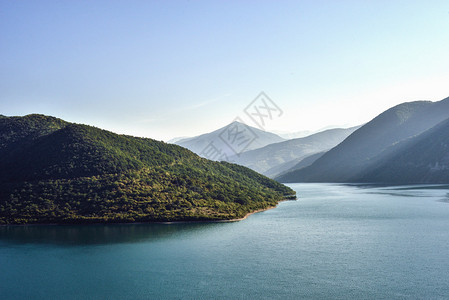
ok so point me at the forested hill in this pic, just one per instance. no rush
(52, 171)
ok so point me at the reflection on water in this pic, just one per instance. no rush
(134, 233)
(99, 234)
(398, 187)
(445, 199)
(401, 190)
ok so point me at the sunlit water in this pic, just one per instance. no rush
(335, 242)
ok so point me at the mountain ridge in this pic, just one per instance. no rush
(276, 157)
(360, 150)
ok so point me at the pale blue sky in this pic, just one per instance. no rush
(179, 68)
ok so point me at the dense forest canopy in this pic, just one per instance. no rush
(53, 171)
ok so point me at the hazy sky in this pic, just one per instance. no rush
(163, 69)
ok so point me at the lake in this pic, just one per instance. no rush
(334, 242)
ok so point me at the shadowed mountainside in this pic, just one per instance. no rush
(367, 147)
(420, 159)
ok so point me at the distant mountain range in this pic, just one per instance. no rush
(305, 162)
(279, 157)
(289, 135)
(53, 171)
(229, 140)
(405, 144)
(294, 135)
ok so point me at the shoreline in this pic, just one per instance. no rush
(156, 222)
(209, 221)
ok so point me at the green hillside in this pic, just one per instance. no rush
(54, 171)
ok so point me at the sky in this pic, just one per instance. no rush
(165, 69)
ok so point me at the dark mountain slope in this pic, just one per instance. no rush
(361, 150)
(58, 172)
(19, 131)
(421, 159)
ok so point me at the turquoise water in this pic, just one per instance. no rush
(335, 242)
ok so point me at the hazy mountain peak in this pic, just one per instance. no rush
(236, 122)
(233, 139)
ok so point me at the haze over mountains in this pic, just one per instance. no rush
(295, 135)
(399, 145)
(61, 172)
(262, 151)
(229, 140)
(305, 162)
(405, 144)
(278, 157)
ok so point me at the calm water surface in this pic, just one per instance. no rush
(335, 242)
